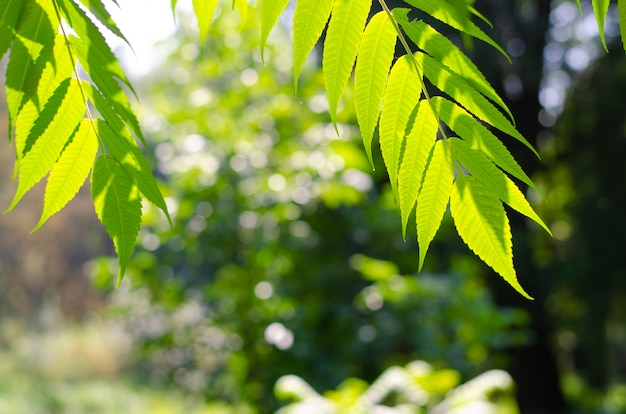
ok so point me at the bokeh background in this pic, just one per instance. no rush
(286, 255)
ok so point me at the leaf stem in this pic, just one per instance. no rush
(77, 74)
(407, 48)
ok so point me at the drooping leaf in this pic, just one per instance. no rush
(600, 9)
(482, 223)
(53, 66)
(51, 131)
(433, 197)
(403, 91)
(204, 11)
(419, 143)
(478, 137)
(458, 89)
(370, 76)
(448, 14)
(102, 14)
(309, 20)
(36, 28)
(70, 171)
(10, 13)
(123, 148)
(118, 206)
(343, 37)
(442, 49)
(493, 179)
(102, 66)
(270, 10)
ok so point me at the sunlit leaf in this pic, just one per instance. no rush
(482, 223)
(403, 91)
(50, 133)
(433, 197)
(494, 180)
(70, 171)
(343, 37)
(309, 20)
(370, 77)
(270, 10)
(118, 206)
(204, 11)
(600, 9)
(419, 143)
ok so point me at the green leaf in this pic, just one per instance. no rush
(419, 143)
(101, 13)
(124, 149)
(478, 137)
(494, 180)
(118, 206)
(458, 89)
(600, 9)
(448, 14)
(442, 49)
(370, 77)
(50, 133)
(36, 28)
(343, 37)
(270, 10)
(100, 63)
(10, 13)
(70, 171)
(309, 20)
(204, 11)
(481, 222)
(433, 197)
(403, 91)
(52, 67)
(621, 11)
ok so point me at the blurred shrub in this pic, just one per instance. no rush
(415, 388)
(253, 281)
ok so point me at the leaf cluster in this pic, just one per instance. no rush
(70, 117)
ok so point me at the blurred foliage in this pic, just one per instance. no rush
(415, 388)
(79, 369)
(267, 269)
(586, 196)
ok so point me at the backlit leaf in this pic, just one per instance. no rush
(10, 13)
(433, 197)
(419, 143)
(370, 76)
(457, 88)
(494, 180)
(478, 137)
(51, 131)
(118, 206)
(482, 223)
(309, 20)
(446, 52)
(204, 11)
(403, 91)
(270, 10)
(70, 171)
(448, 14)
(343, 37)
(600, 9)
